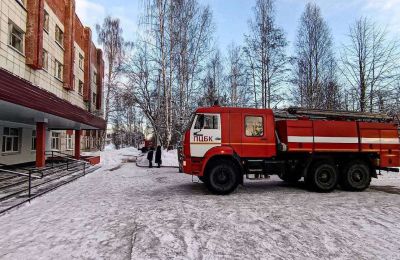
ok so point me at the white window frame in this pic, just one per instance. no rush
(87, 142)
(95, 77)
(80, 86)
(58, 70)
(94, 98)
(69, 143)
(11, 27)
(55, 141)
(59, 35)
(81, 61)
(33, 141)
(45, 60)
(13, 137)
(46, 21)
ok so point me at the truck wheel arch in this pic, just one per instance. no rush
(221, 152)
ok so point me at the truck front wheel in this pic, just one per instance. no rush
(222, 177)
(355, 176)
(323, 176)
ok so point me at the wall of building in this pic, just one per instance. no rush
(25, 153)
(29, 64)
(16, 62)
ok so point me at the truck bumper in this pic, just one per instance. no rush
(192, 166)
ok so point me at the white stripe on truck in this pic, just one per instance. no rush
(300, 139)
(341, 140)
(380, 140)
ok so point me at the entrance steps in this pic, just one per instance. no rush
(15, 189)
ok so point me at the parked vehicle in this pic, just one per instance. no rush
(326, 148)
(145, 145)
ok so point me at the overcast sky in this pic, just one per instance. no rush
(231, 16)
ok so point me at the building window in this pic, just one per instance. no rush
(59, 36)
(95, 77)
(58, 70)
(80, 87)
(87, 142)
(16, 37)
(46, 23)
(254, 126)
(69, 142)
(45, 60)
(81, 61)
(55, 141)
(94, 101)
(10, 140)
(33, 143)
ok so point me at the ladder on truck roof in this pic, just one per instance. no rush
(296, 112)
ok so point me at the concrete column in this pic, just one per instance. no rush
(77, 144)
(40, 144)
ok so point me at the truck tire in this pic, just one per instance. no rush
(222, 177)
(323, 176)
(355, 176)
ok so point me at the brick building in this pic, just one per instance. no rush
(51, 81)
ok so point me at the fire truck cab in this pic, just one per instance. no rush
(223, 144)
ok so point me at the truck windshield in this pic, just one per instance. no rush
(190, 122)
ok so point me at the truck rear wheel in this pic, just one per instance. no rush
(322, 177)
(222, 177)
(355, 176)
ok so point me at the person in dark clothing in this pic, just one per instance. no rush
(150, 157)
(158, 156)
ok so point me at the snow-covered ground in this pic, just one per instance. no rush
(125, 212)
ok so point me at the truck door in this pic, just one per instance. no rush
(258, 139)
(205, 134)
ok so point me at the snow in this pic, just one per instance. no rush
(141, 213)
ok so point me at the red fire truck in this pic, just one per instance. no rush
(222, 144)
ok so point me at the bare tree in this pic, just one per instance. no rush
(114, 47)
(213, 81)
(265, 53)
(236, 77)
(194, 32)
(315, 66)
(167, 66)
(370, 64)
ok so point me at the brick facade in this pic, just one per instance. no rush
(31, 19)
(56, 55)
(34, 34)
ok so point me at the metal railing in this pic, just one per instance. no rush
(64, 156)
(29, 175)
(33, 173)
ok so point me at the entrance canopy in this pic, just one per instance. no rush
(22, 102)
